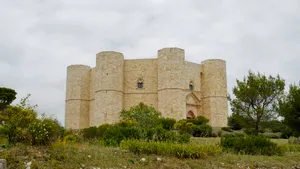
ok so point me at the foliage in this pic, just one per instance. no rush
(289, 108)
(91, 132)
(7, 96)
(145, 116)
(252, 145)
(235, 121)
(184, 127)
(44, 130)
(70, 139)
(203, 130)
(256, 98)
(294, 140)
(228, 129)
(199, 120)
(167, 123)
(193, 151)
(16, 122)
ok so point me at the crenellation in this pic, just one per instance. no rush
(177, 88)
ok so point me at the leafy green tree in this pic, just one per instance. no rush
(145, 116)
(16, 120)
(256, 98)
(7, 96)
(289, 108)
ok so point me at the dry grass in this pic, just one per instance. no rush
(60, 156)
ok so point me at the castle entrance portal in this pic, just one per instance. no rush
(192, 106)
(190, 115)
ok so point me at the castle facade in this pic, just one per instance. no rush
(177, 88)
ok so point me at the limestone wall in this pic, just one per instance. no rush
(92, 115)
(77, 97)
(171, 83)
(96, 96)
(108, 87)
(214, 91)
(146, 70)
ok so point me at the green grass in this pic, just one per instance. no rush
(60, 156)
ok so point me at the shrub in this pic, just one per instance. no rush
(44, 131)
(194, 151)
(184, 127)
(167, 123)
(203, 130)
(102, 128)
(294, 140)
(70, 139)
(272, 135)
(89, 133)
(228, 129)
(143, 115)
(115, 134)
(199, 120)
(252, 145)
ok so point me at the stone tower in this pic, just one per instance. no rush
(214, 91)
(77, 96)
(108, 87)
(177, 88)
(171, 83)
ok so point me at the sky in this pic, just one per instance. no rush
(39, 39)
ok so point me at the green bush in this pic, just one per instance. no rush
(272, 135)
(90, 133)
(199, 120)
(294, 140)
(290, 147)
(228, 129)
(167, 123)
(70, 139)
(194, 151)
(184, 127)
(44, 130)
(252, 145)
(203, 130)
(115, 134)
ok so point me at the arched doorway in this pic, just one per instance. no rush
(190, 115)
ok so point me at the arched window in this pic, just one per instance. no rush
(190, 115)
(140, 83)
(191, 85)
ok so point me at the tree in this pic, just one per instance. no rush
(289, 108)
(145, 116)
(7, 96)
(256, 98)
(16, 120)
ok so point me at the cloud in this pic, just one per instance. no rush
(39, 39)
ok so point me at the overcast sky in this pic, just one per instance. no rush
(39, 38)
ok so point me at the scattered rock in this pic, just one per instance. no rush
(3, 164)
(143, 159)
(158, 159)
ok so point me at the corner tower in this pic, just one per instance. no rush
(171, 98)
(77, 97)
(108, 87)
(214, 91)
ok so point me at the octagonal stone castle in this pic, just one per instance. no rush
(177, 88)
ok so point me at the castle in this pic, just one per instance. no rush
(177, 88)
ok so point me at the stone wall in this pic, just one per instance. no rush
(108, 87)
(77, 97)
(96, 96)
(140, 69)
(214, 91)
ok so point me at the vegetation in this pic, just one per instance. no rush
(289, 108)
(144, 139)
(252, 145)
(7, 96)
(256, 98)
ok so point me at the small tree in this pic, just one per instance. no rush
(145, 116)
(7, 96)
(256, 98)
(289, 108)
